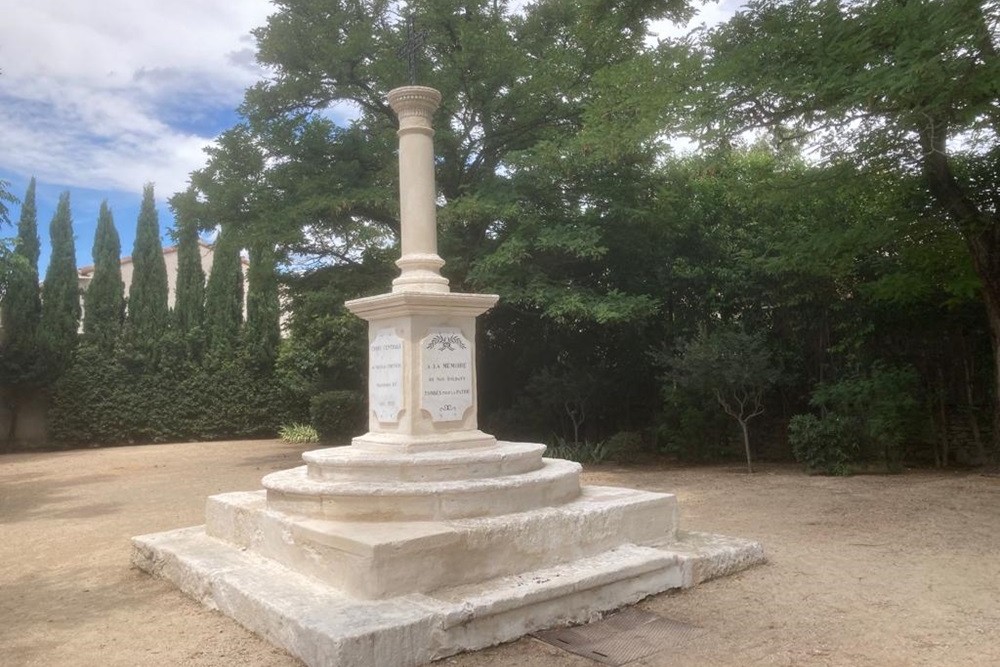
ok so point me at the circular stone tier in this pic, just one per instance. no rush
(294, 492)
(347, 464)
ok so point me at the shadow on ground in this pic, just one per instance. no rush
(34, 495)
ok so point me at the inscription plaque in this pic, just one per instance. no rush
(385, 375)
(446, 374)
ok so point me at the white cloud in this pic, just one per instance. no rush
(111, 94)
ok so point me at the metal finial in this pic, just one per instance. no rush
(412, 47)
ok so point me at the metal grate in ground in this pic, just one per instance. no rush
(622, 637)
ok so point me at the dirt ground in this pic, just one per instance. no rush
(868, 570)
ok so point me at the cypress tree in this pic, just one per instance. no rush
(20, 361)
(22, 304)
(60, 318)
(148, 315)
(104, 300)
(28, 243)
(189, 302)
(224, 293)
(263, 330)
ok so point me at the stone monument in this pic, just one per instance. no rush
(426, 537)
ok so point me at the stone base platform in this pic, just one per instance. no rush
(382, 559)
(362, 559)
(322, 625)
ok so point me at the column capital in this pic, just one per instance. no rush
(412, 102)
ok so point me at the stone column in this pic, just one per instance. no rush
(422, 336)
(420, 265)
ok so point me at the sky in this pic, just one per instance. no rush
(99, 97)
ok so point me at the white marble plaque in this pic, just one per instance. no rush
(446, 374)
(385, 375)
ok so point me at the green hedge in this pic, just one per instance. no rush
(100, 400)
(338, 415)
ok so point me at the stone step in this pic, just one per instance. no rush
(384, 559)
(314, 622)
(347, 464)
(580, 591)
(294, 492)
(323, 626)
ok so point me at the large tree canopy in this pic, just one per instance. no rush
(516, 87)
(911, 86)
(557, 189)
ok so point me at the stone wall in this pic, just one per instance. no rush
(31, 431)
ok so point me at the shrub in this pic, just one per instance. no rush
(625, 446)
(825, 445)
(298, 433)
(881, 405)
(337, 415)
(581, 452)
(100, 400)
(692, 429)
(91, 401)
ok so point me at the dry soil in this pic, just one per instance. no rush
(867, 570)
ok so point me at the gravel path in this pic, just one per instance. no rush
(868, 570)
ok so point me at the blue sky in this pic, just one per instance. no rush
(98, 98)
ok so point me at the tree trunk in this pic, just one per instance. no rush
(13, 409)
(746, 443)
(943, 408)
(977, 436)
(988, 269)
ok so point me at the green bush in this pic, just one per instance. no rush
(693, 429)
(881, 404)
(338, 415)
(625, 446)
(298, 433)
(825, 445)
(90, 403)
(101, 400)
(581, 452)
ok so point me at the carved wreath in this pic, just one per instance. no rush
(446, 342)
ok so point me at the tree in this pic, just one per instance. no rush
(224, 294)
(733, 366)
(189, 302)
(7, 198)
(516, 215)
(104, 300)
(904, 85)
(263, 328)
(148, 315)
(60, 319)
(22, 303)
(509, 80)
(20, 311)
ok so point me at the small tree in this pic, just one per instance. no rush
(732, 365)
(60, 320)
(104, 300)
